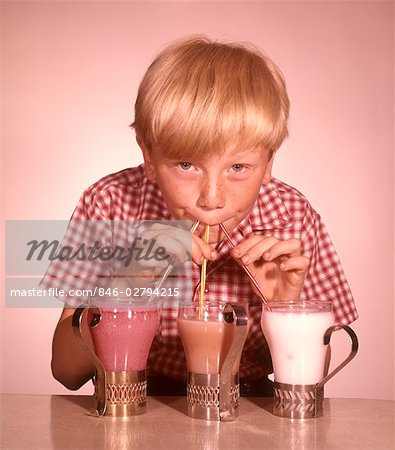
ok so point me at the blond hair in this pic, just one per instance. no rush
(199, 96)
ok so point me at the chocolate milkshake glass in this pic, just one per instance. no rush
(122, 331)
(213, 339)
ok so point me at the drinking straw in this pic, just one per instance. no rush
(203, 274)
(169, 268)
(247, 270)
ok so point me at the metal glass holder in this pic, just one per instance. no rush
(117, 393)
(298, 401)
(203, 396)
(126, 393)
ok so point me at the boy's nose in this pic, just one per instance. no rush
(212, 195)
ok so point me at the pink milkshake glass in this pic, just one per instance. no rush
(122, 331)
(213, 339)
(298, 335)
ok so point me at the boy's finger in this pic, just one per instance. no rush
(295, 264)
(175, 241)
(252, 249)
(169, 246)
(291, 247)
(240, 249)
(168, 237)
(201, 250)
(172, 233)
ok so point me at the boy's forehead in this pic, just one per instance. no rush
(226, 152)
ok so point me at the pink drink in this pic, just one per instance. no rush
(206, 344)
(295, 339)
(124, 336)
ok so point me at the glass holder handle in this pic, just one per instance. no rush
(237, 315)
(353, 352)
(100, 378)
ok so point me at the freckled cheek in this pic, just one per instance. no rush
(245, 205)
(179, 196)
(171, 191)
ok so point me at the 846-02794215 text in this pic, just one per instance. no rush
(96, 292)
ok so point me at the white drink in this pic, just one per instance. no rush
(295, 338)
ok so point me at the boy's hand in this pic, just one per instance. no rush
(178, 246)
(177, 242)
(278, 266)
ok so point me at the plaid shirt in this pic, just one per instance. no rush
(280, 211)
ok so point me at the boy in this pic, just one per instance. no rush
(209, 118)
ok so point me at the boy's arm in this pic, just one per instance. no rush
(70, 364)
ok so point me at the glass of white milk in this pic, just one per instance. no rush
(298, 335)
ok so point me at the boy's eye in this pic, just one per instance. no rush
(185, 165)
(237, 167)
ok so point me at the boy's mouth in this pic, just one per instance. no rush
(216, 234)
(204, 221)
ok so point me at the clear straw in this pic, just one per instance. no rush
(169, 268)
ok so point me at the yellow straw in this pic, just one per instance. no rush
(203, 274)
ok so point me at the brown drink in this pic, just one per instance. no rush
(206, 343)
(213, 339)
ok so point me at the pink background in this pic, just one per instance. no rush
(70, 72)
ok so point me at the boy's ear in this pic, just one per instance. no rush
(149, 168)
(267, 177)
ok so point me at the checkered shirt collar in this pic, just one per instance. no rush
(269, 211)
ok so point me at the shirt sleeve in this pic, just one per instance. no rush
(93, 205)
(325, 279)
(76, 271)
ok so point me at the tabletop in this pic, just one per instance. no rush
(64, 422)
